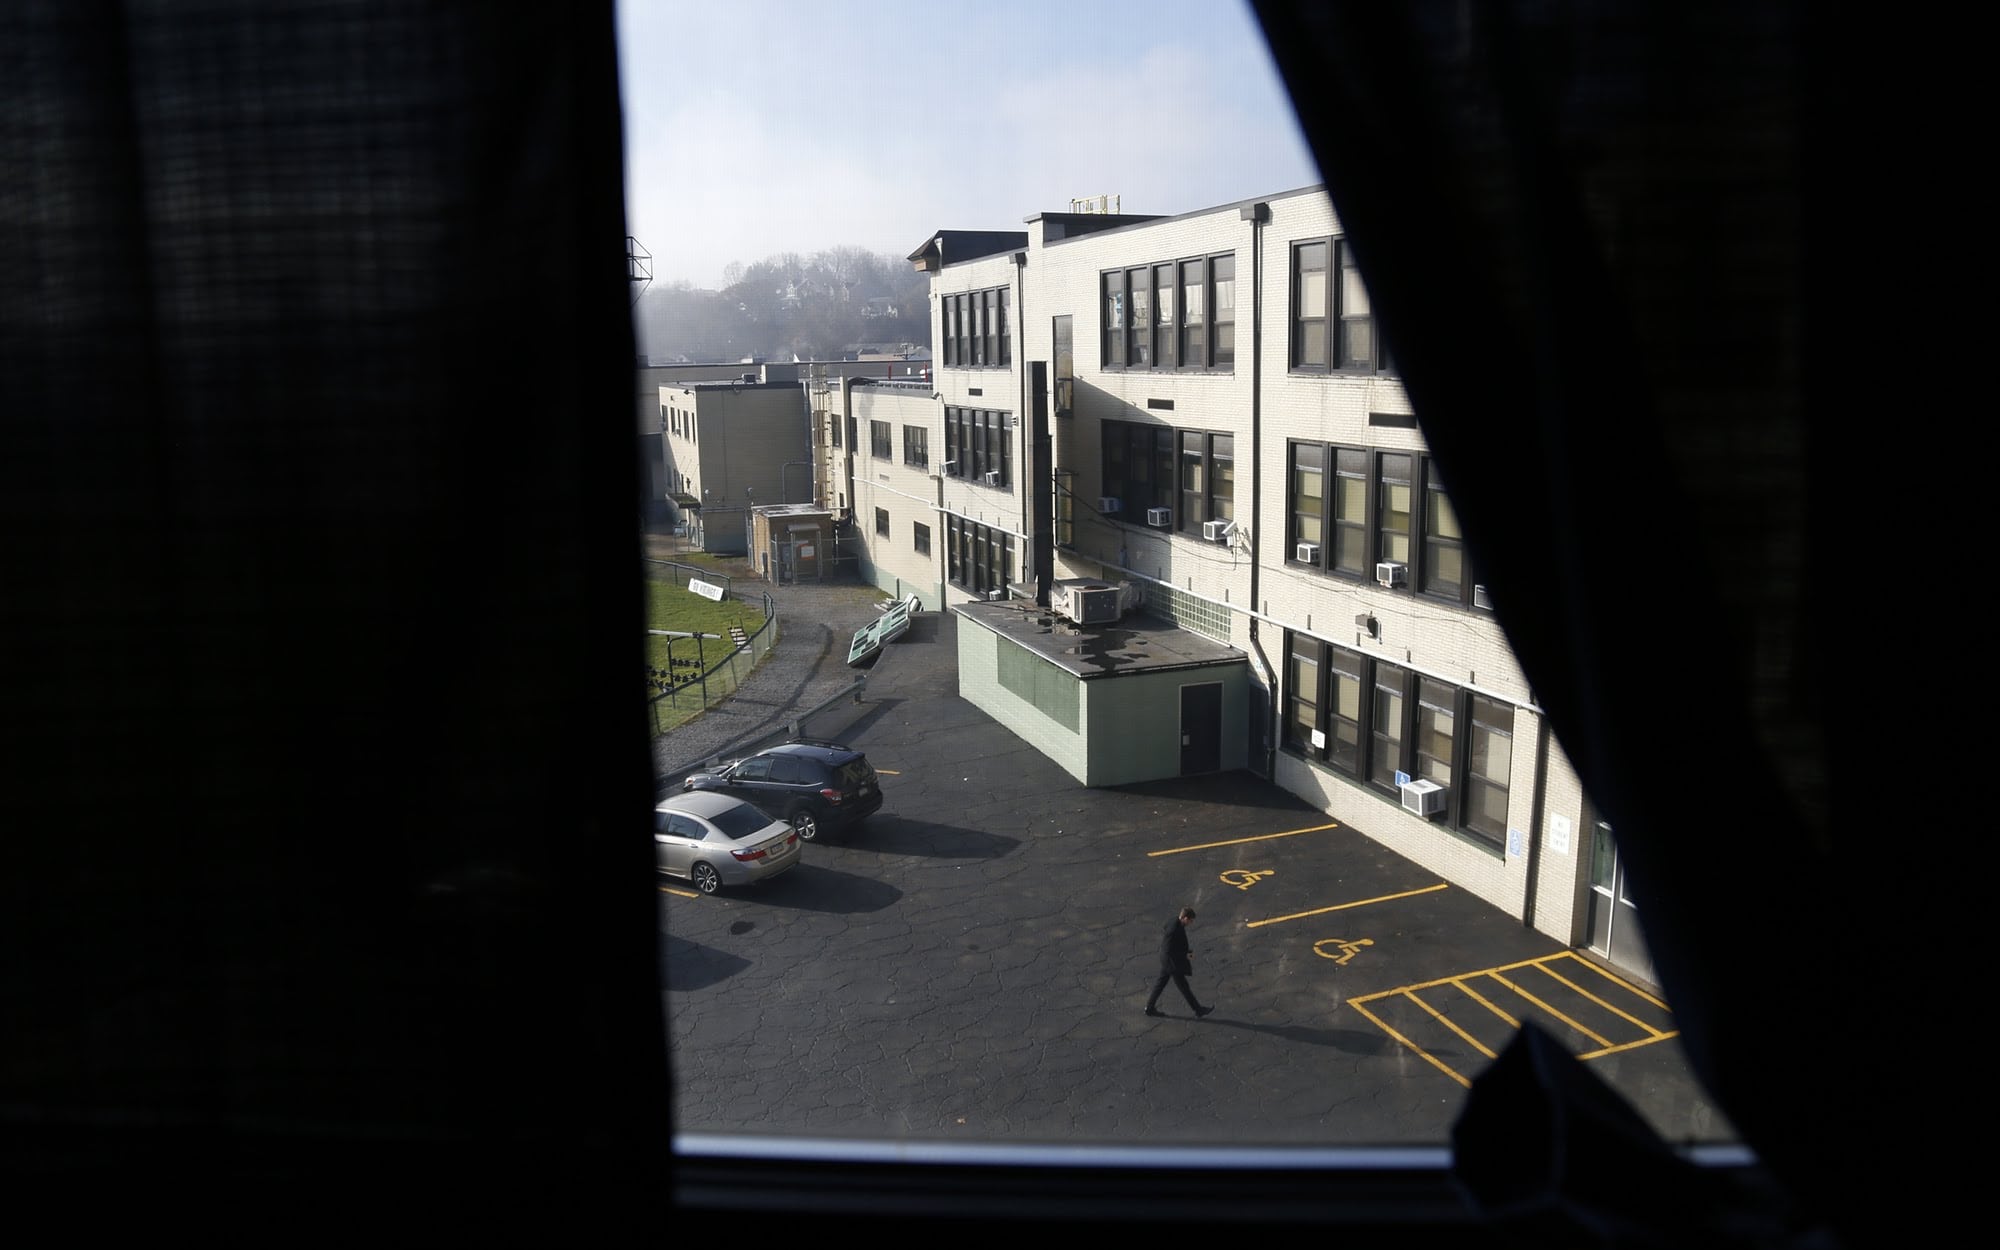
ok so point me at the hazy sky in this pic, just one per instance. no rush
(761, 126)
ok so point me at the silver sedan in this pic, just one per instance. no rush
(713, 840)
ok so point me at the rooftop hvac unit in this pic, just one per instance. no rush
(1087, 602)
(1108, 504)
(1216, 531)
(1391, 573)
(1159, 517)
(1423, 796)
(1307, 553)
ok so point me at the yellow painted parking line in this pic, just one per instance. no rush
(1612, 977)
(1522, 990)
(1634, 1021)
(1433, 1060)
(889, 772)
(1262, 837)
(1644, 1041)
(1483, 1001)
(1446, 1021)
(667, 889)
(1321, 911)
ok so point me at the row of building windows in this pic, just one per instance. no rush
(1352, 508)
(920, 534)
(1380, 723)
(975, 333)
(1191, 473)
(1333, 327)
(676, 421)
(979, 558)
(979, 445)
(1176, 315)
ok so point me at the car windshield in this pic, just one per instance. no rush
(740, 821)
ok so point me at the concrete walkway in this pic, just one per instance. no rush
(806, 667)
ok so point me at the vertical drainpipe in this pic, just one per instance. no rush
(1257, 215)
(1535, 813)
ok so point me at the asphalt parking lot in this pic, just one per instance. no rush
(971, 963)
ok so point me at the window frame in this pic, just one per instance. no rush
(880, 440)
(1328, 326)
(1371, 753)
(975, 331)
(979, 441)
(1138, 329)
(882, 522)
(916, 447)
(1371, 530)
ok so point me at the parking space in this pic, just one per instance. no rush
(971, 961)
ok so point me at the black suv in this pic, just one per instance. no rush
(817, 786)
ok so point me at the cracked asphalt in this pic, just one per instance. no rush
(970, 964)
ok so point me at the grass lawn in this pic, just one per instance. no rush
(672, 607)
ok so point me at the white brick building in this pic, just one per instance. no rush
(1199, 408)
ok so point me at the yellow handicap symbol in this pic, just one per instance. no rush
(1339, 950)
(1243, 878)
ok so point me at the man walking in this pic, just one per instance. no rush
(1176, 965)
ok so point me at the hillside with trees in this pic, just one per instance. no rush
(819, 307)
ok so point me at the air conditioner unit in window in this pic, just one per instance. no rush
(1423, 796)
(991, 477)
(1161, 517)
(1391, 573)
(1480, 599)
(1307, 553)
(1108, 504)
(1217, 531)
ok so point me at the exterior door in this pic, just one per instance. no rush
(1201, 728)
(1614, 918)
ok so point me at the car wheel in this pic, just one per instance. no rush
(805, 824)
(706, 879)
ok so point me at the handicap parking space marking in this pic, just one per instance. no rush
(1597, 1012)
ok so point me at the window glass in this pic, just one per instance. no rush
(1350, 512)
(1194, 482)
(1194, 351)
(1436, 725)
(1393, 520)
(1222, 478)
(1309, 307)
(1386, 747)
(1308, 493)
(1114, 318)
(741, 821)
(1165, 328)
(1357, 326)
(1138, 283)
(1224, 268)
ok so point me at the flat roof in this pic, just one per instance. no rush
(1138, 644)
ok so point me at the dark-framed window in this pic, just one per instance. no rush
(1373, 721)
(1332, 323)
(1192, 473)
(1376, 507)
(978, 557)
(917, 446)
(1178, 314)
(882, 521)
(979, 446)
(878, 438)
(920, 538)
(833, 425)
(975, 331)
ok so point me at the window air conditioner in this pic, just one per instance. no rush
(1391, 573)
(1216, 531)
(1161, 517)
(1108, 504)
(1480, 599)
(1423, 796)
(1307, 553)
(993, 477)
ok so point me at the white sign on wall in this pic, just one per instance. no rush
(1559, 834)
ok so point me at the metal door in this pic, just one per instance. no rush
(1614, 918)
(1201, 728)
